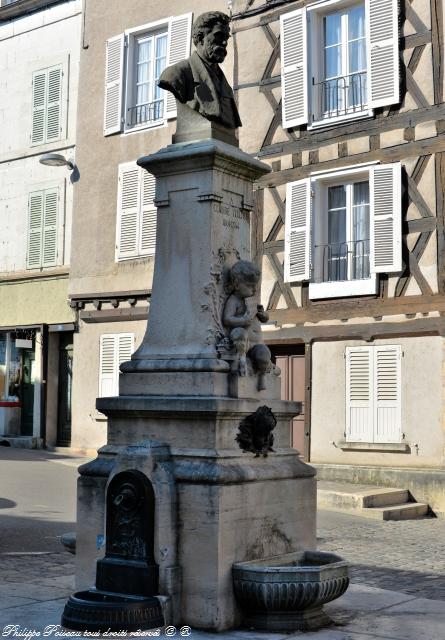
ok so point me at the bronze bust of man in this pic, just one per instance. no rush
(199, 82)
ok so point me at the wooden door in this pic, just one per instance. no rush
(65, 387)
(291, 360)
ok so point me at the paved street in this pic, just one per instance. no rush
(402, 556)
(37, 505)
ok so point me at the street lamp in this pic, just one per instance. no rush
(55, 160)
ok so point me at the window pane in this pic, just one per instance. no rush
(143, 72)
(337, 197)
(144, 50)
(356, 22)
(333, 62)
(161, 47)
(360, 217)
(14, 372)
(360, 231)
(332, 29)
(337, 227)
(143, 92)
(357, 56)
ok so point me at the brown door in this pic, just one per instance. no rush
(291, 360)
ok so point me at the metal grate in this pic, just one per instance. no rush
(150, 112)
(342, 95)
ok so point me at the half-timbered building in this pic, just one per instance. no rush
(344, 99)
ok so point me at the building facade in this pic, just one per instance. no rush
(39, 58)
(122, 116)
(344, 99)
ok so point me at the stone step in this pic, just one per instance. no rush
(405, 511)
(384, 503)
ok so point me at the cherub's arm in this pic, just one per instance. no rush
(230, 317)
(262, 315)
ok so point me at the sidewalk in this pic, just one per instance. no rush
(363, 613)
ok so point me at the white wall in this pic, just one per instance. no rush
(45, 38)
(422, 410)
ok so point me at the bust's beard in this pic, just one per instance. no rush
(215, 54)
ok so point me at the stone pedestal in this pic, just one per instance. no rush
(179, 410)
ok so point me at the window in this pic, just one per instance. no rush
(43, 228)
(46, 105)
(373, 394)
(343, 87)
(11, 368)
(134, 62)
(145, 98)
(136, 213)
(342, 228)
(115, 348)
(339, 60)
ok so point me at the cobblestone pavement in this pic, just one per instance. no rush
(406, 556)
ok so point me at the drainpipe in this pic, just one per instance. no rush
(43, 378)
(307, 399)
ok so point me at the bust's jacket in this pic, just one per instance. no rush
(197, 84)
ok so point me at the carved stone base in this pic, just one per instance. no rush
(231, 506)
(198, 383)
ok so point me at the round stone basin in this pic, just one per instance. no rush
(99, 611)
(287, 593)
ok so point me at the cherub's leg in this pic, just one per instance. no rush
(239, 339)
(261, 359)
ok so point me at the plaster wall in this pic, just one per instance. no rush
(422, 394)
(89, 427)
(35, 302)
(18, 178)
(27, 44)
(94, 267)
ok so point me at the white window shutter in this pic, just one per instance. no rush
(149, 215)
(294, 68)
(387, 385)
(113, 85)
(386, 218)
(382, 24)
(50, 215)
(35, 224)
(125, 347)
(107, 365)
(54, 104)
(179, 40)
(129, 191)
(39, 82)
(297, 231)
(359, 394)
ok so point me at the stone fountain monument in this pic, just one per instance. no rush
(198, 418)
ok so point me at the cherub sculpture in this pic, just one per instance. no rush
(244, 325)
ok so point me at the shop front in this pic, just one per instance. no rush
(20, 382)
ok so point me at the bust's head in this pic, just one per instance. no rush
(211, 33)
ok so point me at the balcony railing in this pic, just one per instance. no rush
(143, 113)
(342, 261)
(343, 95)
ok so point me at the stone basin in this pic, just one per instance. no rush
(287, 592)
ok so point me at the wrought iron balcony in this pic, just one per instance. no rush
(143, 113)
(342, 261)
(341, 96)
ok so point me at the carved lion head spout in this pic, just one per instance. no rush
(255, 432)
